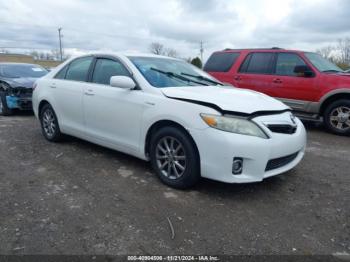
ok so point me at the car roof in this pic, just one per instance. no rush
(273, 49)
(134, 54)
(125, 54)
(13, 63)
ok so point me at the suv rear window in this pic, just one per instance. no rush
(221, 62)
(258, 63)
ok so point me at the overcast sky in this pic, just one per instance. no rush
(119, 25)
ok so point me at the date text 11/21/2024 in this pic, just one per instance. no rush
(173, 258)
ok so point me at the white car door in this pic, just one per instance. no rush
(68, 87)
(113, 115)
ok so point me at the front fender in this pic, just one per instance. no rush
(184, 114)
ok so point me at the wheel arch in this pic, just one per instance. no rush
(166, 123)
(41, 104)
(332, 98)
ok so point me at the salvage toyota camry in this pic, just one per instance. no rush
(166, 111)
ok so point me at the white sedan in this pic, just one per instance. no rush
(166, 111)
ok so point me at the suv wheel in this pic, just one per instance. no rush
(4, 110)
(174, 158)
(49, 124)
(337, 117)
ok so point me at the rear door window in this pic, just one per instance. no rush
(258, 63)
(221, 62)
(79, 69)
(286, 62)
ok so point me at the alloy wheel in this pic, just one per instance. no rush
(49, 122)
(171, 157)
(340, 118)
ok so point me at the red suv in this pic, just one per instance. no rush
(311, 85)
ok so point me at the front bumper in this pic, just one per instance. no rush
(262, 158)
(19, 102)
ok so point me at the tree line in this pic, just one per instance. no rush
(338, 53)
(159, 49)
(53, 55)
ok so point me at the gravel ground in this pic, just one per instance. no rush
(79, 198)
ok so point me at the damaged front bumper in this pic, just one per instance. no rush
(20, 98)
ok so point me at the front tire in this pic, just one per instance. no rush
(49, 124)
(337, 117)
(4, 110)
(174, 157)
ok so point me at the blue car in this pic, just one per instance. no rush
(16, 86)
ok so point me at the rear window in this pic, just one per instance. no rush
(221, 62)
(258, 63)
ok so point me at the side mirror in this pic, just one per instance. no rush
(124, 82)
(303, 71)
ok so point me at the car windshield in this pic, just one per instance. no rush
(22, 70)
(322, 64)
(163, 72)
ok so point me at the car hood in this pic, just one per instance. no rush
(343, 75)
(341, 79)
(26, 82)
(226, 98)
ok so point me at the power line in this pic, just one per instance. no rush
(111, 35)
(24, 47)
(107, 34)
(78, 30)
(21, 24)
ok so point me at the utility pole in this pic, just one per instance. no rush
(60, 40)
(201, 51)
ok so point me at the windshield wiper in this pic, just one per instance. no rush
(172, 74)
(332, 71)
(203, 78)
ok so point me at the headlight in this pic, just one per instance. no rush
(234, 125)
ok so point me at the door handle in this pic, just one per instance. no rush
(53, 85)
(237, 78)
(277, 81)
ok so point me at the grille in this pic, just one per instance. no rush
(26, 91)
(280, 162)
(283, 129)
(25, 104)
(22, 92)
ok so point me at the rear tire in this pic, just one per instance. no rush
(49, 124)
(4, 110)
(337, 117)
(174, 157)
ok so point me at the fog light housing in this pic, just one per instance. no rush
(237, 166)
